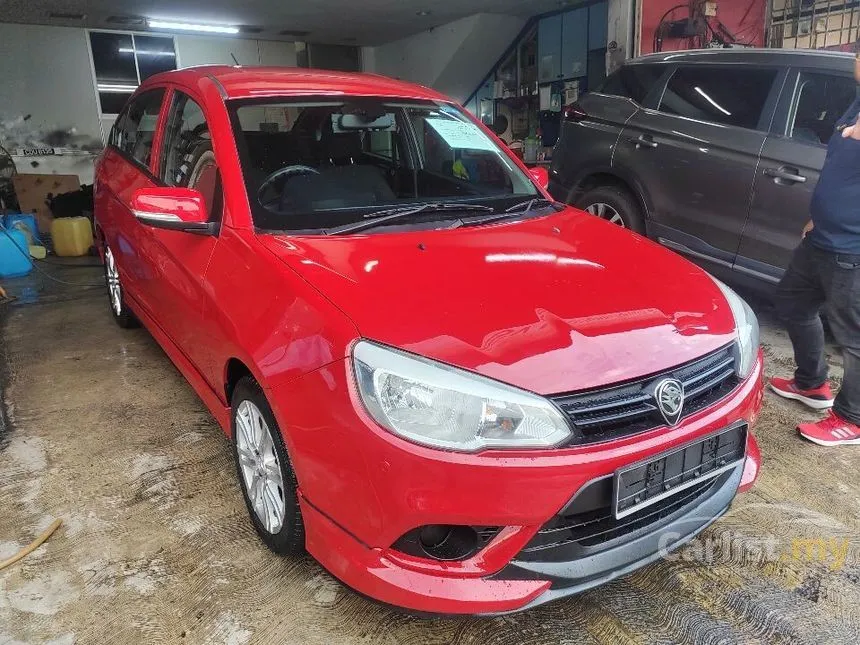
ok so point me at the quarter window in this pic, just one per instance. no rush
(134, 130)
(821, 100)
(632, 81)
(728, 95)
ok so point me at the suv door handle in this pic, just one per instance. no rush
(643, 140)
(791, 175)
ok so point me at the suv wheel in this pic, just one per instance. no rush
(265, 472)
(615, 205)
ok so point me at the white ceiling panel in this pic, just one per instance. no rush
(359, 22)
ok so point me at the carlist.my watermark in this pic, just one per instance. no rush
(729, 546)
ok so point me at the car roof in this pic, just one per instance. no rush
(752, 56)
(237, 82)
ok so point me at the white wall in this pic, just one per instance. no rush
(207, 50)
(277, 53)
(452, 58)
(368, 59)
(46, 74)
(620, 31)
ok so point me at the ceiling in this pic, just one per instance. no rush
(350, 22)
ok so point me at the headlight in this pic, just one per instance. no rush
(747, 326)
(441, 406)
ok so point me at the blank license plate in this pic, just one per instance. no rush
(646, 483)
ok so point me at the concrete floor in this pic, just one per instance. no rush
(156, 546)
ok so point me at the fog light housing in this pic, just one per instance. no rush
(445, 542)
(448, 542)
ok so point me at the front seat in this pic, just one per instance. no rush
(336, 187)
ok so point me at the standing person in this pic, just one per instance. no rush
(824, 273)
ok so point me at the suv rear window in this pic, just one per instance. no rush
(632, 81)
(728, 95)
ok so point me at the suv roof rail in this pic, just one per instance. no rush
(745, 54)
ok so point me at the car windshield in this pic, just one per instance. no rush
(311, 165)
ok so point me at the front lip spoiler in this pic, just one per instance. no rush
(600, 568)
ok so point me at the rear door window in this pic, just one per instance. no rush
(821, 99)
(728, 95)
(632, 81)
(134, 130)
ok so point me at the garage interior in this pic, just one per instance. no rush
(99, 429)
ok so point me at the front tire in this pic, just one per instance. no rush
(615, 205)
(265, 472)
(122, 315)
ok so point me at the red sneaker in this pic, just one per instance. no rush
(821, 398)
(831, 431)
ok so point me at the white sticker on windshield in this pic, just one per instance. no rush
(461, 135)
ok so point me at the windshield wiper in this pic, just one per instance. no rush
(531, 204)
(378, 218)
(513, 211)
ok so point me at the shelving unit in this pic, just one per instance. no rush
(556, 57)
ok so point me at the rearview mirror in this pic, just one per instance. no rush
(176, 209)
(348, 122)
(541, 176)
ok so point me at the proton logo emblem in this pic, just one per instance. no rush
(669, 395)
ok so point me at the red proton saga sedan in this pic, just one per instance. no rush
(458, 395)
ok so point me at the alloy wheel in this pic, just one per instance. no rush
(607, 212)
(261, 470)
(114, 286)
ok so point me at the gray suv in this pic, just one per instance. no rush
(712, 153)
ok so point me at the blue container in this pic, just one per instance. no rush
(28, 220)
(14, 254)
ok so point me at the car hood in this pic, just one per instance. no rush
(550, 304)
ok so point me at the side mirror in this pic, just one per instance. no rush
(541, 176)
(175, 209)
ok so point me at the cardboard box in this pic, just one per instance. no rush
(32, 192)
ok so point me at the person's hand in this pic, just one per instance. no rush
(852, 131)
(806, 229)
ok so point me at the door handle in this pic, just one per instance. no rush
(791, 175)
(642, 140)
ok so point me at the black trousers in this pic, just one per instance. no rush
(816, 281)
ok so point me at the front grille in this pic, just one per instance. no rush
(629, 409)
(592, 527)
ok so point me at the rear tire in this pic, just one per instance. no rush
(122, 315)
(265, 472)
(615, 205)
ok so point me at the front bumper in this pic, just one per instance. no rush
(595, 566)
(361, 488)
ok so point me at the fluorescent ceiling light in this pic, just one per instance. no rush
(712, 101)
(116, 87)
(143, 52)
(188, 26)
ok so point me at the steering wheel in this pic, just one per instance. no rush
(297, 169)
